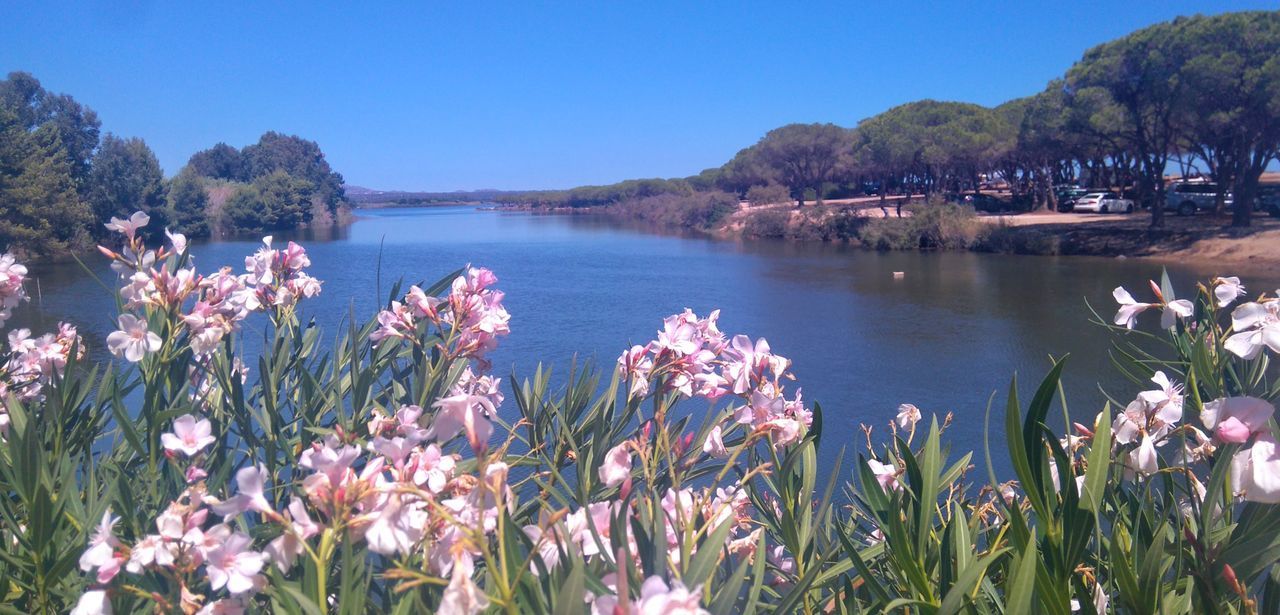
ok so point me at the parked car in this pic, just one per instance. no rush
(1103, 203)
(1187, 198)
(1067, 196)
(1268, 199)
(986, 203)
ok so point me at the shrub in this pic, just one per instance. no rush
(769, 194)
(767, 224)
(379, 476)
(935, 224)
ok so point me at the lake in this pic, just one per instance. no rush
(944, 337)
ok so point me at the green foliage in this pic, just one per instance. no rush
(189, 204)
(271, 202)
(40, 211)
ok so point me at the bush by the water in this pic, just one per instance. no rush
(376, 473)
(935, 224)
(698, 211)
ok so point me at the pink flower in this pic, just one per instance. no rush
(1236, 419)
(250, 481)
(12, 275)
(128, 227)
(232, 565)
(462, 596)
(133, 341)
(1129, 308)
(101, 553)
(189, 435)
(886, 474)
(286, 548)
(714, 445)
(464, 412)
(617, 465)
(657, 598)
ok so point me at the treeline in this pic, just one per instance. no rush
(1201, 94)
(61, 179)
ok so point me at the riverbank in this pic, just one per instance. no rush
(864, 222)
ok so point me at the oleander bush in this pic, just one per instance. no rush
(390, 471)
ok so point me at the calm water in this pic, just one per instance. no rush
(945, 337)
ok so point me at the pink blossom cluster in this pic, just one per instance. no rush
(472, 312)
(183, 543)
(34, 361)
(656, 596)
(12, 275)
(400, 494)
(277, 275)
(589, 530)
(694, 359)
(207, 307)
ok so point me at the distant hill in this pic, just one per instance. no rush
(368, 197)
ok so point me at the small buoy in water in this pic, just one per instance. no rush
(1121, 257)
(898, 275)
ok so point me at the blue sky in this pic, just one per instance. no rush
(467, 95)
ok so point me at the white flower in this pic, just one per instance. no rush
(1173, 310)
(93, 602)
(1255, 471)
(177, 240)
(1227, 290)
(133, 341)
(1129, 308)
(1256, 325)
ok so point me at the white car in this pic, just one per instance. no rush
(1103, 203)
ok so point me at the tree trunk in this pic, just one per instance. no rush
(1246, 190)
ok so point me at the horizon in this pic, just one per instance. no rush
(405, 99)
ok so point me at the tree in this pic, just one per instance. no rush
(188, 204)
(77, 126)
(1139, 74)
(1232, 79)
(805, 156)
(297, 157)
(40, 211)
(125, 178)
(219, 162)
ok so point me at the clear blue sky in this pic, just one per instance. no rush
(465, 95)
